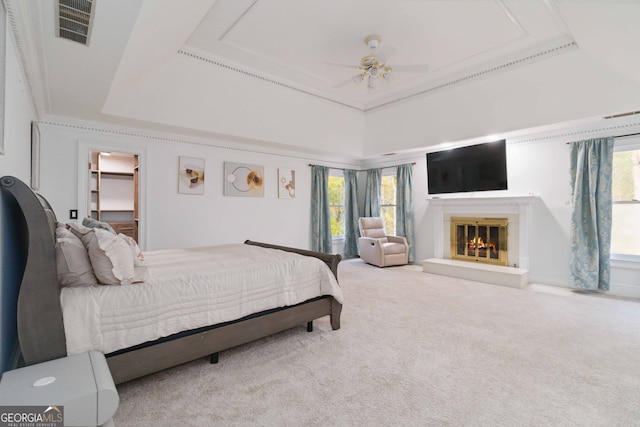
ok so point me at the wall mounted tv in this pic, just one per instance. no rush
(481, 167)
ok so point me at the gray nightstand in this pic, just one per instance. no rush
(81, 383)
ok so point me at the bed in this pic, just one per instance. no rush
(41, 323)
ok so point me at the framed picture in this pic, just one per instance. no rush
(243, 180)
(191, 176)
(35, 156)
(286, 183)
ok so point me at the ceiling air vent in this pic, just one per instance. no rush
(74, 20)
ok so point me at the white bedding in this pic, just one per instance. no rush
(188, 289)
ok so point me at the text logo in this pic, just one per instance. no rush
(31, 416)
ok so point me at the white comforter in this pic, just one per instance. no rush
(191, 288)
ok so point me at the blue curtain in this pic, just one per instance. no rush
(320, 215)
(590, 174)
(404, 206)
(351, 231)
(372, 193)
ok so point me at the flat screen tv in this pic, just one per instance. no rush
(481, 167)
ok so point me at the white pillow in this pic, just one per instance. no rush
(110, 255)
(141, 274)
(138, 257)
(72, 261)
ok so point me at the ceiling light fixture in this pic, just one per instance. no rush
(373, 67)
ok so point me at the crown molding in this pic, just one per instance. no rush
(599, 127)
(19, 14)
(223, 142)
(204, 56)
(561, 133)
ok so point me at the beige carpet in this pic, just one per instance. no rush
(417, 349)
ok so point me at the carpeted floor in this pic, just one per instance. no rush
(417, 349)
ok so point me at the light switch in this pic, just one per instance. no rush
(73, 214)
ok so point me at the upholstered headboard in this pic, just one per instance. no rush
(40, 327)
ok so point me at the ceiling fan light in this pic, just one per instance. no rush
(373, 82)
(357, 78)
(388, 76)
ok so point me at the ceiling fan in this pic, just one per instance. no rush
(373, 67)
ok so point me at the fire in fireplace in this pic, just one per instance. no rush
(479, 240)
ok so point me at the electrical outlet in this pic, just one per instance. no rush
(73, 214)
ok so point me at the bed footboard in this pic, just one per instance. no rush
(126, 365)
(332, 260)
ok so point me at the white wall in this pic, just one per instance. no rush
(537, 165)
(170, 219)
(551, 94)
(542, 169)
(18, 114)
(240, 105)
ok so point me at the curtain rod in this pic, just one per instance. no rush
(362, 170)
(619, 136)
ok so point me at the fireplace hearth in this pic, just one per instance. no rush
(479, 240)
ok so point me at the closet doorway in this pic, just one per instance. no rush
(113, 190)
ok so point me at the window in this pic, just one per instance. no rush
(626, 202)
(388, 201)
(336, 202)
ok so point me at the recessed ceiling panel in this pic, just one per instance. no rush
(452, 31)
(316, 47)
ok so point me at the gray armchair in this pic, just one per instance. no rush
(379, 249)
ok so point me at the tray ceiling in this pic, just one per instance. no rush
(263, 71)
(296, 43)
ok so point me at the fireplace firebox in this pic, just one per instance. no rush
(479, 240)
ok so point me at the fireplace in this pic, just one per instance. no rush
(479, 240)
(517, 211)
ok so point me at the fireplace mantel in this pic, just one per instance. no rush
(501, 200)
(445, 207)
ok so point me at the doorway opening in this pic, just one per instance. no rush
(113, 190)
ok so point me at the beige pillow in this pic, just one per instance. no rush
(77, 229)
(72, 261)
(110, 255)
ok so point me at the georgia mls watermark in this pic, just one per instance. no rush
(31, 416)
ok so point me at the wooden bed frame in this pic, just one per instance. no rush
(39, 313)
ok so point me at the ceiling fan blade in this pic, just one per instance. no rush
(339, 64)
(418, 68)
(384, 52)
(346, 82)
